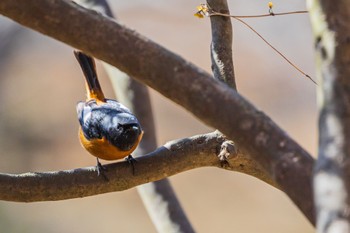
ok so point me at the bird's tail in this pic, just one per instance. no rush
(88, 66)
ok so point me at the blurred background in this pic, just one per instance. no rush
(40, 83)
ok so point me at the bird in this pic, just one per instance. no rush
(108, 130)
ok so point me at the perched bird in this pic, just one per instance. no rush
(108, 130)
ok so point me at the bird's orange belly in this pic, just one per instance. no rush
(102, 149)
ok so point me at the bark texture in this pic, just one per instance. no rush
(331, 25)
(282, 160)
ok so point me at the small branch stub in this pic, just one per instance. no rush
(227, 152)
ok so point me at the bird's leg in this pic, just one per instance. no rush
(131, 161)
(101, 170)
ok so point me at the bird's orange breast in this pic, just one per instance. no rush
(103, 149)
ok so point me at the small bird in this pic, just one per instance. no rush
(108, 129)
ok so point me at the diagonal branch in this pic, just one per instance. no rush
(256, 134)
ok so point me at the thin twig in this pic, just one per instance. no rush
(207, 10)
(276, 50)
(259, 16)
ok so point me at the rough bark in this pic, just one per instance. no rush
(170, 159)
(285, 162)
(221, 44)
(331, 24)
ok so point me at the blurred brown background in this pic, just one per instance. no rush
(41, 82)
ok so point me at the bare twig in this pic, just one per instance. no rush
(259, 16)
(207, 10)
(257, 135)
(277, 51)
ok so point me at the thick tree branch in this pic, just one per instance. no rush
(331, 24)
(281, 157)
(172, 158)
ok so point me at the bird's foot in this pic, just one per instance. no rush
(131, 161)
(101, 170)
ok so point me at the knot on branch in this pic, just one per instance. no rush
(226, 152)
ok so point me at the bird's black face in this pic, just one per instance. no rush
(111, 121)
(125, 136)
